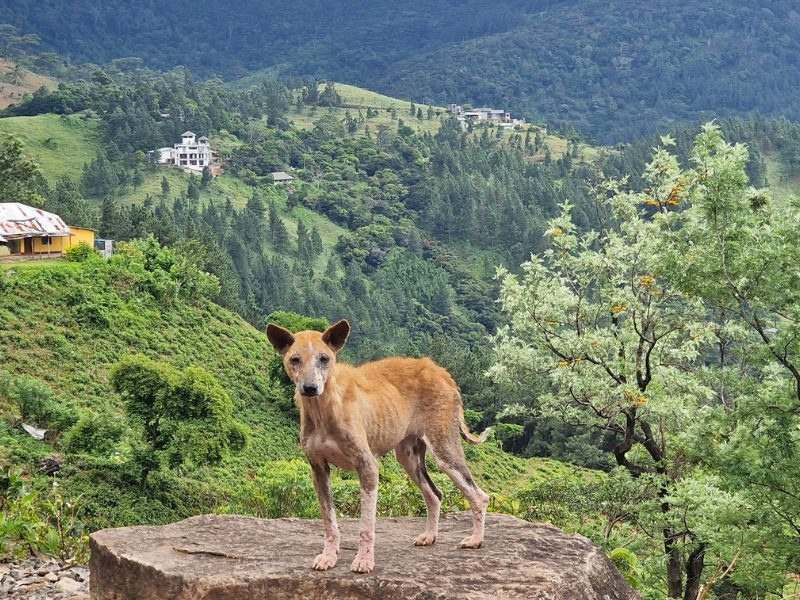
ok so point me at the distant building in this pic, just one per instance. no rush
(104, 247)
(26, 231)
(192, 154)
(281, 178)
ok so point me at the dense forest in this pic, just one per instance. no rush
(610, 70)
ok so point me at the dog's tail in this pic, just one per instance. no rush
(466, 434)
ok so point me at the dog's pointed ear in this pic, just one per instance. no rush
(336, 335)
(280, 338)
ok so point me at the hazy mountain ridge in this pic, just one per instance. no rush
(612, 70)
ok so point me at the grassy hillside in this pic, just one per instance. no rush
(66, 324)
(61, 145)
(16, 82)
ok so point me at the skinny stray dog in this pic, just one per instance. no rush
(350, 416)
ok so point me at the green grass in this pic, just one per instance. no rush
(305, 118)
(60, 145)
(361, 97)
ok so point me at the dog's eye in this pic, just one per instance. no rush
(295, 360)
(324, 359)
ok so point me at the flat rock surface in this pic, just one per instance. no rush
(220, 557)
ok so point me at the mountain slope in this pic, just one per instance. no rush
(15, 82)
(612, 69)
(59, 144)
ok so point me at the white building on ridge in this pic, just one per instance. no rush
(494, 116)
(192, 154)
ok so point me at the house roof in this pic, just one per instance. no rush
(202, 137)
(281, 176)
(20, 221)
(187, 134)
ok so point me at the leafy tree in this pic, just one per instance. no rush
(626, 324)
(193, 189)
(20, 180)
(66, 201)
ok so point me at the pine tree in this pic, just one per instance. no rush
(206, 179)
(164, 186)
(193, 190)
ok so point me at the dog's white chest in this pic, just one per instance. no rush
(325, 448)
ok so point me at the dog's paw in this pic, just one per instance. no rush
(324, 561)
(425, 539)
(363, 563)
(471, 542)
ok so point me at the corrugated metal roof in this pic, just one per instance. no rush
(20, 221)
(281, 176)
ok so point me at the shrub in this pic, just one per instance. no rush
(186, 417)
(626, 563)
(80, 253)
(33, 522)
(94, 433)
(36, 402)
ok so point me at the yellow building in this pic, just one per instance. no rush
(26, 231)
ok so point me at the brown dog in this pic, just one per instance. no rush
(351, 415)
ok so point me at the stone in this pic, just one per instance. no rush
(68, 585)
(223, 557)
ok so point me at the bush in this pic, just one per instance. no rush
(626, 563)
(35, 522)
(94, 433)
(80, 253)
(186, 417)
(36, 402)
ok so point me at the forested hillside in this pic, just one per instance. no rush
(611, 70)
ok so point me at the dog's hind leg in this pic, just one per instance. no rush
(446, 448)
(367, 469)
(411, 454)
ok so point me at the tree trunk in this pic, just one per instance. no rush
(674, 566)
(694, 569)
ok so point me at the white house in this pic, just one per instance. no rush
(192, 154)
(495, 116)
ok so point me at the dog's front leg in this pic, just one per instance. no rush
(322, 484)
(364, 561)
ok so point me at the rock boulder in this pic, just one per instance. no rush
(216, 557)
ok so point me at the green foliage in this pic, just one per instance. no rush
(673, 329)
(19, 176)
(628, 564)
(94, 433)
(36, 402)
(35, 521)
(618, 74)
(186, 417)
(80, 253)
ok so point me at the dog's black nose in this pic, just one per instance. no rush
(309, 390)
